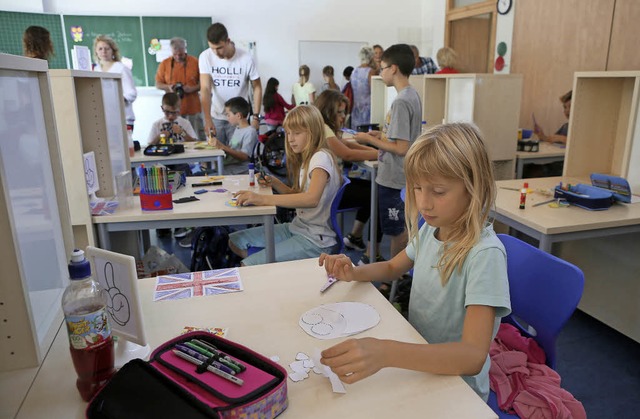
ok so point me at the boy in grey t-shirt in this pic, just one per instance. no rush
(243, 140)
(402, 127)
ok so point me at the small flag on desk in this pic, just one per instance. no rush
(192, 284)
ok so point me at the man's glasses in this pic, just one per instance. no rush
(384, 68)
(166, 112)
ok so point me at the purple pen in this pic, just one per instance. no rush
(204, 359)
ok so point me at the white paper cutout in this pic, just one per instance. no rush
(330, 321)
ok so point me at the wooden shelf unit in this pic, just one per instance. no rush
(604, 131)
(89, 110)
(34, 215)
(490, 101)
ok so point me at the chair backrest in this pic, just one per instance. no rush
(335, 211)
(545, 291)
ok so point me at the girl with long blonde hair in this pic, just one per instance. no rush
(314, 178)
(460, 288)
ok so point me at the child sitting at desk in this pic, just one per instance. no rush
(561, 134)
(173, 126)
(313, 171)
(242, 141)
(460, 288)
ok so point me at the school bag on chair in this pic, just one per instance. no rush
(270, 153)
(211, 250)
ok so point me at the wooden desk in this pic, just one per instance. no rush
(190, 155)
(265, 317)
(550, 225)
(210, 210)
(547, 153)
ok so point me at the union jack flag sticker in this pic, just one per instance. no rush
(193, 284)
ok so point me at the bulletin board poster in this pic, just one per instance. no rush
(159, 30)
(125, 31)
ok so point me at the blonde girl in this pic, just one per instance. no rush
(460, 289)
(304, 92)
(315, 179)
(108, 59)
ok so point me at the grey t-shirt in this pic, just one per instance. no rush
(403, 122)
(243, 139)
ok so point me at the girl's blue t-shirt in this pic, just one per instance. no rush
(438, 312)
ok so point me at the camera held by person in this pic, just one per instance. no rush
(178, 88)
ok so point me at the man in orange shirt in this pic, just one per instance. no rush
(180, 74)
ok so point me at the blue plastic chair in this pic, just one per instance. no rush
(335, 224)
(545, 291)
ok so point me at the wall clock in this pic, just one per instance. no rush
(504, 6)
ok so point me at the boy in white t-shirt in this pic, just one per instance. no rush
(172, 125)
(225, 73)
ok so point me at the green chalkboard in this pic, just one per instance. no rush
(125, 30)
(13, 25)
(193, 29)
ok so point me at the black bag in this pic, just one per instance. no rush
(269, 152)
(211, 249)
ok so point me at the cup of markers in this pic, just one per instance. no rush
(155, 192)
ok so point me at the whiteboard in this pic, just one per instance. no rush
(339, 54)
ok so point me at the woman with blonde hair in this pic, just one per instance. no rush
(108, 59)
(361, 85)
(447, 61)
(304, 92)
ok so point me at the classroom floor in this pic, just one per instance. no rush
(598, 365)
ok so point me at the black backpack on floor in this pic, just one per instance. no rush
(211, 250)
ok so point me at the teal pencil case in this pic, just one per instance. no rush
(600, 195)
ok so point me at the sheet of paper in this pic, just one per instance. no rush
(330, 321)
(193, 284)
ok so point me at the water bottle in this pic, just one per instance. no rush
(84, 304)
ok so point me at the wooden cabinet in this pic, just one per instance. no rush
(604, 131)
(89, 112)
(34, 215)
(490, 101)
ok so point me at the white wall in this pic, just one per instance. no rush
(278, 25)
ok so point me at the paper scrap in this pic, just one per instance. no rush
(218, 331)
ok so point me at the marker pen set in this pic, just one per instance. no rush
(208, 358)
(155, 192)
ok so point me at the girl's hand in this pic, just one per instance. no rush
(338, 266)
(244, 198)
(355, 359)
(375, 133)
(264, 180)
(362, 138)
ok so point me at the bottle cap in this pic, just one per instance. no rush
(526, 185)
(251, 166)
(79, 266)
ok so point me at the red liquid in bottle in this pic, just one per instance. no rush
(94, 367)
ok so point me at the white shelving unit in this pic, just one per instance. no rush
(34, 215)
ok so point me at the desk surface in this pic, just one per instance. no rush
(551, 221)
(210, 204)
(265, 318)
(189, 153)
(545, 150)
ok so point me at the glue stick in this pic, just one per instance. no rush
(252, 175)
(523, 195)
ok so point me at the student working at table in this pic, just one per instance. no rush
(172, 126)
(460, 288)
(402, 127)
(243, 139)
(313, 173)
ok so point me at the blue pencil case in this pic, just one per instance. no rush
(600, 195)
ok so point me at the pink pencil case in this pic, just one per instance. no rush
(169, 386)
